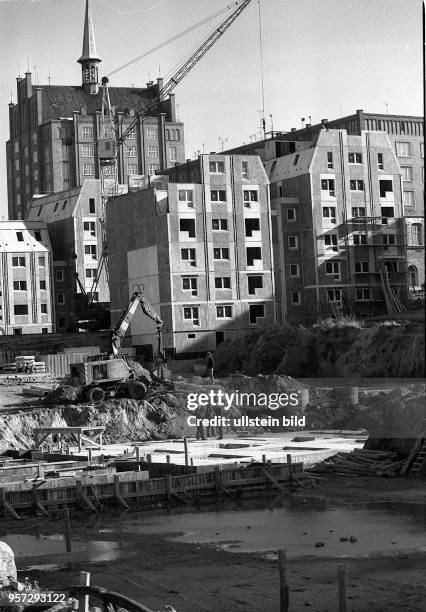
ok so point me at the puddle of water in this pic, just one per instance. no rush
(295, 523)
(297, 527)
(36, 547)
(44, 567)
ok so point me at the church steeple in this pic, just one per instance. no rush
(89, 58)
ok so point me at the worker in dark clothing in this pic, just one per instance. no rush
(210, 366)
(199, 413)
(210, 414)
(219, 413)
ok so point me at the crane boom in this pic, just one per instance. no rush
(109, 144)
(186, 67)
(119, 331)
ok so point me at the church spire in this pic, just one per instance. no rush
(89, 58)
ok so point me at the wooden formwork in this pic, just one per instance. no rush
(93, 491)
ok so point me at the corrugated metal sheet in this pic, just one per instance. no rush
(81, 353)
(58, 365)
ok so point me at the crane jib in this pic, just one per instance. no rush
(106, 119)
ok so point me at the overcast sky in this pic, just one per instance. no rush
(322, 58)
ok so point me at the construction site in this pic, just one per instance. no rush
(212, 370)
(90, 480)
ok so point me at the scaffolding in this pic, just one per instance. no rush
(387, 269)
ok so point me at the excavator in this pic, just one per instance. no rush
(111, 374)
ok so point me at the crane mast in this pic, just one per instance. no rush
(109, 141)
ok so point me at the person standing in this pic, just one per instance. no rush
(200, 414)
(210, 366)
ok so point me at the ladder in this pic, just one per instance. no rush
(418, 467)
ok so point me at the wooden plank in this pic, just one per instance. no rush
(273, 480)
(83, 497)
(205, 484)
(98, 429)
(83, 602)
(284, 589)
(185, 445)
(10, 509)
(90, 441)
(342, 578)
(117, 494)
(169, 486)
(67, 530)
(37, 503)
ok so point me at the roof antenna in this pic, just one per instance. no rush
(11, 97)
(19, 72)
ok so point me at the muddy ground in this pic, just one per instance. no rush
(200, 578)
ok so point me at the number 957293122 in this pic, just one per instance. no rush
(33, 599)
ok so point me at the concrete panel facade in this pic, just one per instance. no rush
(338, 223)
(26, 305)
(74, 222)
(210, 247)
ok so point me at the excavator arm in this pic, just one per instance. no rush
(119, 331)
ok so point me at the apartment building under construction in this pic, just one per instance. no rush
(338, 230)
(199, 243)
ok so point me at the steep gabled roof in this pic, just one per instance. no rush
(63, 100)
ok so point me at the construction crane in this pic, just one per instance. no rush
(109, 142)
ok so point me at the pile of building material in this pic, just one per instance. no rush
(361, 462)
(27, 363)
(36, 391)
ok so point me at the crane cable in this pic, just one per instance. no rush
(261, 72)
(173, 38)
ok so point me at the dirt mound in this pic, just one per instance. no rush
(379, 351)
(326, 411)
(399, 414)
(63, 394)
(162, 415)
(16, 431)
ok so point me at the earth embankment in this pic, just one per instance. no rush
(380, 351)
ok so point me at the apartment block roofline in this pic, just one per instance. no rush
(310, 130)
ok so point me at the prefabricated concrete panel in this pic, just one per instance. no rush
(143, 272)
